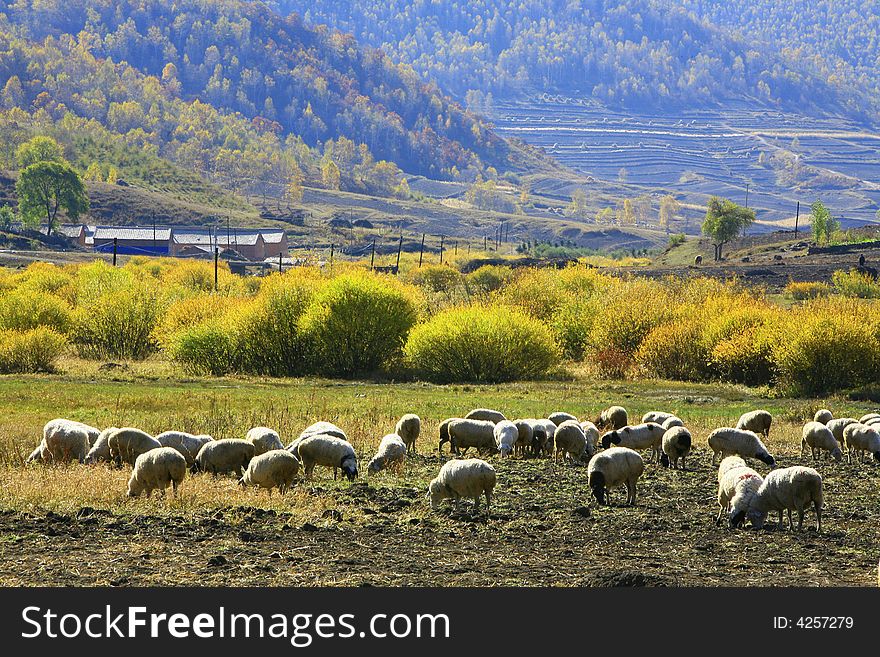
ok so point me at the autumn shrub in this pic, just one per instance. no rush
(489, 278)
(29, 351)
(436, 278)
(24, 309)
(481, 344)
(801, 291)
(744, 357)
(677, 351)
(206, 348)
(855, 284)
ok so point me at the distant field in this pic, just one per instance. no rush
(72, 525)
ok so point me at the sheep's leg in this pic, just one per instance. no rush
(334, 474)
(803, 446)
(818, 508)
(488, 502)
(790, 523)
(780, 525)
(173, 488)
(631, 492)
(800, 519)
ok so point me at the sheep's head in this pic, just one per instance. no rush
(766, 458)
(757, 518)
(664, 460)
(349, 467)
(836, 454)
(196, 467)
(376, 464)
(437, 492)
(597, 485)
(737, 518)
(609, 438)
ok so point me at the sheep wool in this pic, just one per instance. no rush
(444, 431)
(559, 417)
(592, 433)
(869, 416)
(672, 421)
(837, 425)
(613, 467)
(157, 469)
(391, 454)
(506, 434)
(100, 450)
(756, 421)
(727, 441)
(737, 486)
(657, 417)
(459, 478)
(408, 428)
(263, 439)
(318, 429)
(486, 415)
(818, 437)
(526, 434)
(464, 434)
(571, 442)
(613, 417)
(543, 437)
(823, 415)
(276, 468)
(861, 438)
(327, 451)
(186, 443)
(127, 443)
(222, 456)
(788, 489)
(66, 440)
(676, 445)
(640, 436)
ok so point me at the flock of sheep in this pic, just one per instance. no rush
(261, 459)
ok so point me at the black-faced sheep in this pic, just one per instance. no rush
(328, 451)
(616, 466)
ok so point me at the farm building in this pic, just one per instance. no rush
(133, 240)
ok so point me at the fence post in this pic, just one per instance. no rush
(441, 249)
(331, 257)
(399, 248)
(373, 254)
(114, 251)
(797, 218)
(279, 263)
(216, 264)
(422, 250)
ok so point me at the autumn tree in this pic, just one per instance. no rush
(38, 149)
(577, 208)
(45, 188)
(724, 221)
(823, 223)
(669, 208)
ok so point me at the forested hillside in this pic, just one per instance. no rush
(236, 92)
(625, 54)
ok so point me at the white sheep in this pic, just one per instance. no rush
(571, 442)
(263, 439)
(559, 417)
(543, 437)
(676, 444)
(869, 416)
(156, 469)
(391, 454)
(614, 417)
(837, 425)
(65, 440)
(444, 432)
(640, 436)
(819, 437)
(657, 417)
(616, 466)
(737, 485)
(486, 415)
(823, 415)
(506, 435)
(328, 451)
(787, 489)
(226, 455)
(872, 421)
(127, 443)
(862, 438)
(185, 443)
(756, 421)
(672, 421)
(463, 478)
(100, 450)
(276, 468)
(592, 433)
(525, 437)
(408, 428)
(318, 429)
(726, 441)
(464, 434)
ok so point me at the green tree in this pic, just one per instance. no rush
(724, 221)
(823, 223)
(578, 206)
(94, 173)
(45, 188)
(7, 217)
(38, 149)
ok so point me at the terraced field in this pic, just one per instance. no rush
(781, 158)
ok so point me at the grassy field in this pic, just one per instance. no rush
(73, 525)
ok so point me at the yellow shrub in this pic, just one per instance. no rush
(801, 291)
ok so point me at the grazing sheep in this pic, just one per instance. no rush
(698, 260)
(657, 417)
(506, 434)
(127, 443)
(737, 485)
(408, 428)
(756, 421)
(640, 436)
(157, 468)
(837, 425)
(391, 454)
(276, 468)
(226, 455)
(672, 421)
(318, 429)
(616, 466)
(444, 431)
(464, 434)
(613, 417)
(592, 433)
(526, 434)
(571, 442)
(872, 421)
(728, 440)
(676, 443)
(65, 440)
(819, 437)
(329, 451)
(100, 450)
(788, 489)
(185, 443)
(861, 438)
(559, 417)
(463, 478)
(263, 439)
(823, 415)
(869, 416)
(543, 437)
(486, 415)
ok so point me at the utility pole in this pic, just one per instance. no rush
(115, 239)
(279, 263)
(373, 254)
(399, 249)
(441, 249)
(747, 195)
(216, 265)
(331, 257)
(797, 218)
(422, 250)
